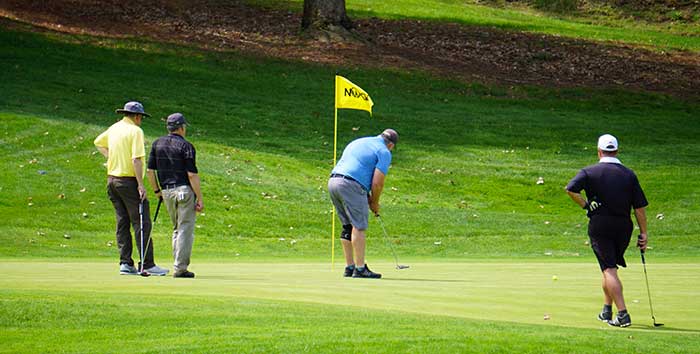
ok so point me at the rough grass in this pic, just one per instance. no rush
(597, 23)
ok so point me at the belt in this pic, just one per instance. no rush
(338, 175)
(171, 186)
(124, 178)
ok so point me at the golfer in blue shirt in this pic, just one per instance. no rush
(355, 185)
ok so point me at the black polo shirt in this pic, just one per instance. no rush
(614, 186)
(172, 156)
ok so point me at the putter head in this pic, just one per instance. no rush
(402, 266)
(145, 274)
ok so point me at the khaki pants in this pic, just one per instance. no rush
(180, 202)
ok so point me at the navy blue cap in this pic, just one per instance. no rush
(391, 135)
(176, 119)
(133, 107)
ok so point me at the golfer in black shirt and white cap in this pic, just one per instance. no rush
(612, 191)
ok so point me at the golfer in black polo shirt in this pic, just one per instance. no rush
(174, 159)
(612, 191)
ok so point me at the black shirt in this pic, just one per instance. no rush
(172, 156)
(614, 186)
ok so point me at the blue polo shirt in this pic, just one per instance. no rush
(361, 157)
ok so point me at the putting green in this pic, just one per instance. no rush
(511, 291)
(301, 307)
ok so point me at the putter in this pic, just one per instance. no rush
(386, 240)
(142, 272)
(644, 264)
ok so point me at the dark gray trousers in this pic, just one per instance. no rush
(124, 194)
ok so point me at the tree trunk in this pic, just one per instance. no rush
(327, 20)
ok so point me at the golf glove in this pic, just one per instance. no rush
(592, 206)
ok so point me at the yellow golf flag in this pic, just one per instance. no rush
(351, 96)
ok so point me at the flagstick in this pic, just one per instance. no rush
(335, 142)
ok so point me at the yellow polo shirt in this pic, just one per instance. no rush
(125, 142)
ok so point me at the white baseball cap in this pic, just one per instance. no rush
(607, 142)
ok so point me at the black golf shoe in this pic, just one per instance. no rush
(605, 314)
(348, 271)
(185, 274)
(621, 320)
(365, 273)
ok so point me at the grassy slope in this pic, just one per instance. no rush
(463, 176)
(600, 28)
(450, 307)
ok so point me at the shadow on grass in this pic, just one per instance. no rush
(428, 280)
(228, 277)
(665, 328)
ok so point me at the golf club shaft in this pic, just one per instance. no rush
(646, 278)
(160, 201)
(386, 239)
(141, 253)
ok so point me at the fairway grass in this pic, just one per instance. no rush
(305, 307)
(463, 180)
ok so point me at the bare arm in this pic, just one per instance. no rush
(138, 171)
(577, 198)
(195, 183)
(104, 151)
(153, 182)
(377, 187)
(641, 216)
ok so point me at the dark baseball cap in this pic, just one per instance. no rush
(133, 107)
(391, 135)
(176, 119)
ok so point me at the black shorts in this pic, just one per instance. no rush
(610, 236)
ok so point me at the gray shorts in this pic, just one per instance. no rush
(350, 201)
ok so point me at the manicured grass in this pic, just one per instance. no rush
(463, 181)
(266, 307)
(660, 36)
